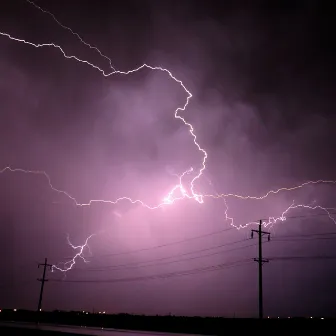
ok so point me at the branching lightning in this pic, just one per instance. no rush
(179, 189)
(79, 255)
(73, 33)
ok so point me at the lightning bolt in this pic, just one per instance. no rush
(247, 197)
(67, 266)
(170, 198)
(273, 220)
(73, 33)
(270, 221)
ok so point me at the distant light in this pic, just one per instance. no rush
(40, 309)
(103, 312)
(267, 316)
(83, 311)
(0, 310)
(278, 317)
(322, 318)
(14, 309)
(288, 316)
(87, 313)
(311, 317)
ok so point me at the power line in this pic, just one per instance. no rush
(305, 216)
(164, 263)
(165, 275)
(140, 264)
(15, 284)
(307, 235)
(218, 267)
(136, 264)
(177, 255)
(192, 238)
(202, 236)
(304, 239)
(156, 262)
(164, 245)
(303, 258)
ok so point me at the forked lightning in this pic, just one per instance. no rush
(179, 191)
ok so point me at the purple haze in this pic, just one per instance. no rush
(263, 108)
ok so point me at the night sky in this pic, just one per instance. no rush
(263, 84)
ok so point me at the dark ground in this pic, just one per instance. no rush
(10, 331)
(169, 324)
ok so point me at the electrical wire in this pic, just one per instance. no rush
(178, 255)
(304, 239)
(303, 216)
(164, 275)
(307, 235)
(302, 258)
(163, 245)
(115, 268)
(136, 265)
(145, 263)
(190, 239)
(15, 284)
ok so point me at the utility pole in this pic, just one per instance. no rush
(43, 280)
(261, 261)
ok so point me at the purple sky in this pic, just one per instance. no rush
(263, 108)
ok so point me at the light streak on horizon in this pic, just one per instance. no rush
(169, 198)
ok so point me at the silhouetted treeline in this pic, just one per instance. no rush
(177, 324)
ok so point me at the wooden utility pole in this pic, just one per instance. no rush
(43, 280)
(260, 261)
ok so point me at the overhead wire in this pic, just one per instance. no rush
(191, 238)
(154, 262)
(163, 275)
(304, 216)
(326, 257)
(162, 245)
(139, 265)
(205, 269)
(307, 235)
(303, 239)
